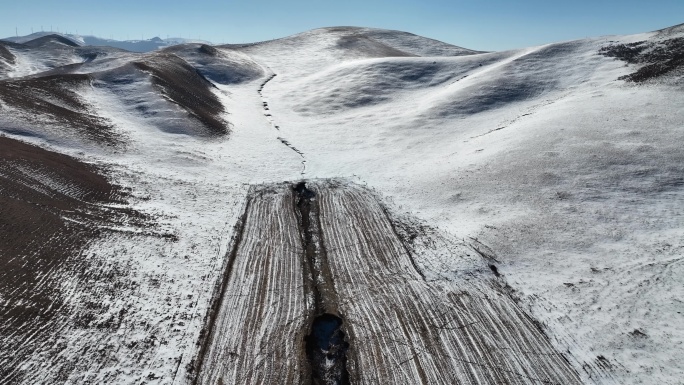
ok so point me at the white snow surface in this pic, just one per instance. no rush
(573, 178)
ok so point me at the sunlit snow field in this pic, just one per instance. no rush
(573, 179)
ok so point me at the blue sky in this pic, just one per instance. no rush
(484, 25)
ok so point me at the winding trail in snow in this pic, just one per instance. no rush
(269, 117)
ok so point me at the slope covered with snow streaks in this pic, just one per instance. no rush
(400, 328)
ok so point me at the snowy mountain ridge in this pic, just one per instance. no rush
(143, 45)
(540, 187)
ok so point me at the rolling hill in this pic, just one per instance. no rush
(344, 205)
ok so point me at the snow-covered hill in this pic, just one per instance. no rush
(561, 165)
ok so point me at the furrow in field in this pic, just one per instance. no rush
(258, 335)
(321, 289)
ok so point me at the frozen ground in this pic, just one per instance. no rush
(566, 179)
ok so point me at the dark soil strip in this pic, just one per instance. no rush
(326, 347)
(404, 242)
(304, 203)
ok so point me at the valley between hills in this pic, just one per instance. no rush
(342, 206)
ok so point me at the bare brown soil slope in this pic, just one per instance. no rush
(184, 85)
(51, 207)
(55, 97)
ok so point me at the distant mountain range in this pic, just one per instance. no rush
(129, 45)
